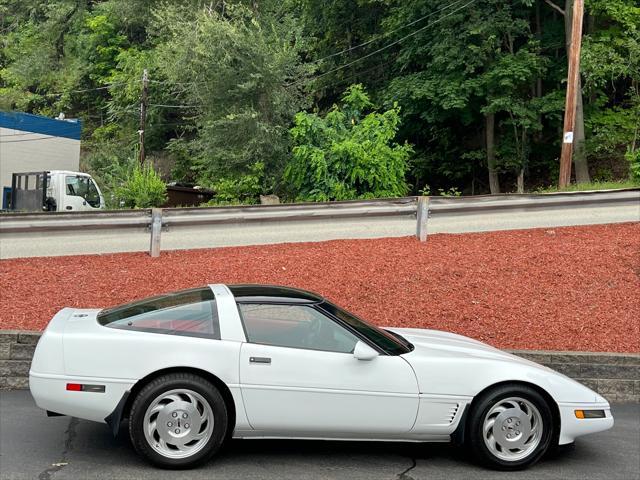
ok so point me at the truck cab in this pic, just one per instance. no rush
(55, 190)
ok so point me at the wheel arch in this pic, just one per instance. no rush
(459, 435)
(124, 407)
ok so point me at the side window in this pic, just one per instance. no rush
(188, 313)
(83, 187)
(295, 326)
(93, 197)
(73, 187)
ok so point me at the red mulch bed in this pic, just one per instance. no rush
(573, 288)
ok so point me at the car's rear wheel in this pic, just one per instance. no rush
(511, 427)
(178, 420)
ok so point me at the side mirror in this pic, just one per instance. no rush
(362, 351)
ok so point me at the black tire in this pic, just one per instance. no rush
(164, 384)
(480, 409)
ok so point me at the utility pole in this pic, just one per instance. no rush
(573, 79)
(143, 113)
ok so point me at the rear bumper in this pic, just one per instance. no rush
(50, 393)
(572, 427)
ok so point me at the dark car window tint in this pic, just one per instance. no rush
(294, 326)
(387, 341)
(190, 313)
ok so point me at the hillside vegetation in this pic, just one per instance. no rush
(331, 99)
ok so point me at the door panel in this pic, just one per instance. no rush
(306, 391)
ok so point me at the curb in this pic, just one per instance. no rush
(615, 376)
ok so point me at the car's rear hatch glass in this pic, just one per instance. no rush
(190, 312)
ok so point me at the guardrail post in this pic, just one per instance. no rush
(156, 229)
(422, 215)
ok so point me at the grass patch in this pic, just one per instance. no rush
(581, 187)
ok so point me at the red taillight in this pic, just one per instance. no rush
(84, 387)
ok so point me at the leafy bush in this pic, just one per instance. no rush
(633, 157)
(451, 192)
(245, 189)
(143, 188)
(348, 154)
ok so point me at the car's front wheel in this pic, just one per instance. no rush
(178, 420)
(510, 427)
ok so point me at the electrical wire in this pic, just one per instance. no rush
(381, 49)
(306, 80)
(386, 34)
(105, 87)
(160, 105)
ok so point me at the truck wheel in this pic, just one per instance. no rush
(178, 420)
(510, 427)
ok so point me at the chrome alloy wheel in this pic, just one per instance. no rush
(512, 429)
(178, 423)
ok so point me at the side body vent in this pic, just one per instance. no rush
(453, 411)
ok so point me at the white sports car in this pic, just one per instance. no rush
(190, 369)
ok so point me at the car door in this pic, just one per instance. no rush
(299, 377)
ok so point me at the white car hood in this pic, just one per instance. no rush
(447, 363)
(438, 342)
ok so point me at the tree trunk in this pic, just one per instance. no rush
(537, 89)
(521, 180)
(579, 154)
(494, 183)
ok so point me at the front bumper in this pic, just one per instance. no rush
(572, 427)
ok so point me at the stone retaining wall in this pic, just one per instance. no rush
(616, 376)
(16, 351)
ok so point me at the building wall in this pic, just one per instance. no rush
(31, 143)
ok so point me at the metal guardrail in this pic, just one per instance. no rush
(420, 207)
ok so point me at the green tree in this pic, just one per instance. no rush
(475, 68)
(611, 62)
(232, 70)
(349, 153)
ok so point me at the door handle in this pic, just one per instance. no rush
(69, 207)
(259, 360)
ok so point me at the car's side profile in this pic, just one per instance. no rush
(188, 370)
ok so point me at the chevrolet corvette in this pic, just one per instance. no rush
(188, 370)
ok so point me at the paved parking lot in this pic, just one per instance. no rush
(33, 446)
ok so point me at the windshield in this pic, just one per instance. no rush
(390, 343)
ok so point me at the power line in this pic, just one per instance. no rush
(161, 105)
(168, 82)
(386, 34)
(105, 87)
(355, 47)
(381, 49)
(351, 76)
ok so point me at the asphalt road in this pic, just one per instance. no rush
(78, 242)
(33, 446)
